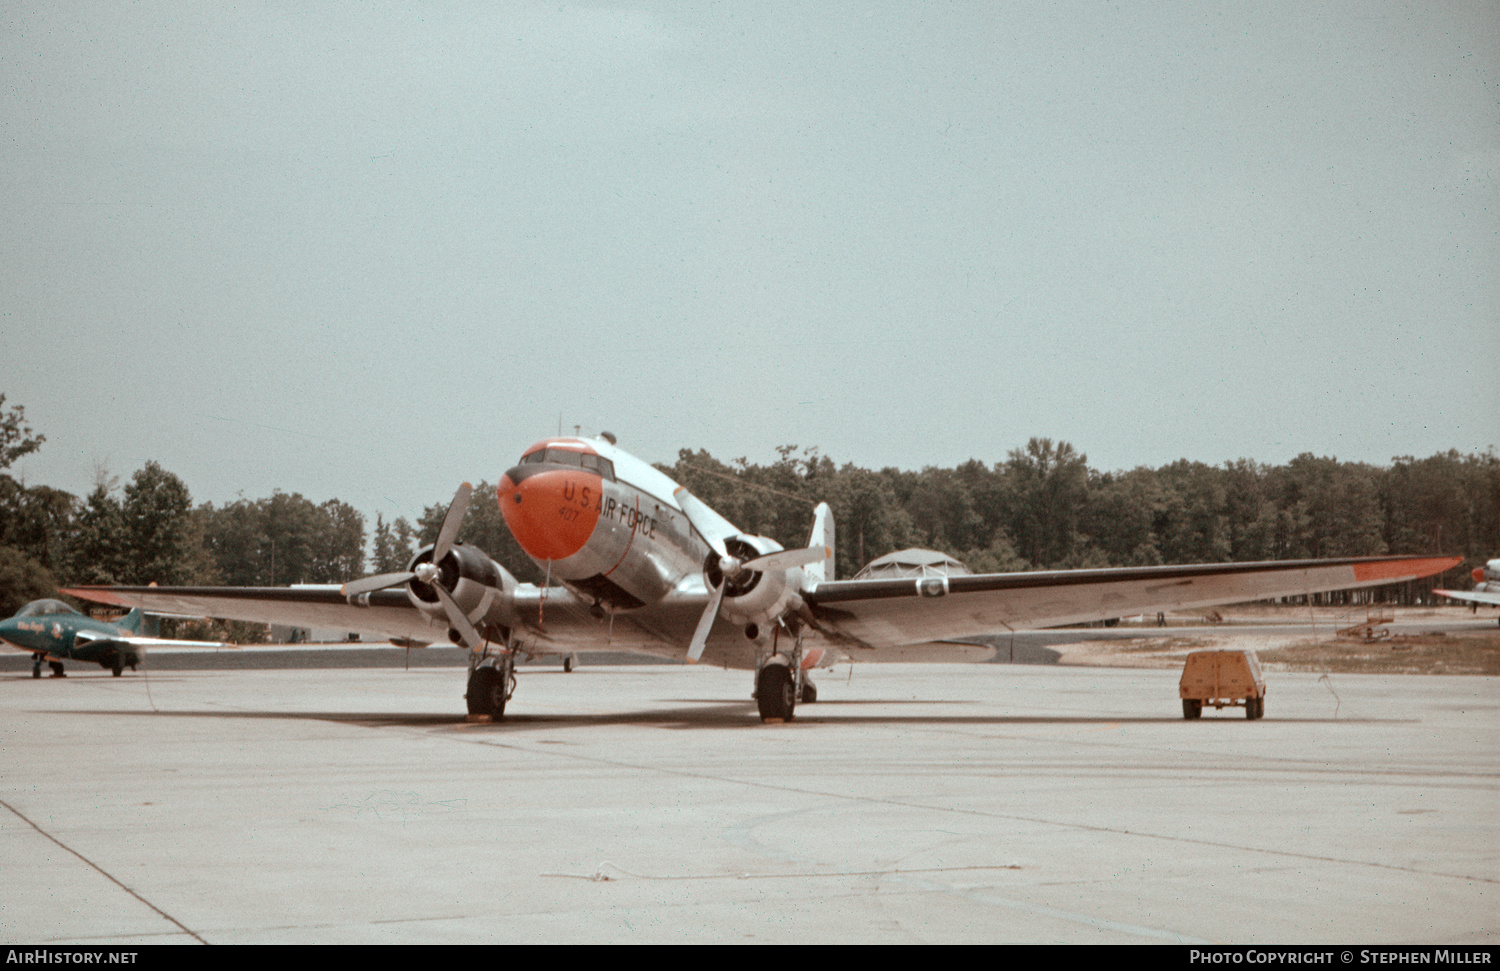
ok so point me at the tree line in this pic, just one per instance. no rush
(1043, 507)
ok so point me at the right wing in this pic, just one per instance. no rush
(390, 614)
(551, 620)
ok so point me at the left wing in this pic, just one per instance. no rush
(1475, 596)
(897, 613)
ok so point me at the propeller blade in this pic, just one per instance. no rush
(378, 582)
(786, 559)
(705, 624)
(458, 620)
(451, 521)
(709, 524)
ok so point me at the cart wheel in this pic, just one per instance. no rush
(1191, 708)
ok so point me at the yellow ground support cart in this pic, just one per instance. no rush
(1224, 679)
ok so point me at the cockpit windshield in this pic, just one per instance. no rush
(573, 457)
(45, 608)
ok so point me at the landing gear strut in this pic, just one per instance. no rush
(491, 685)
(781, 682)
(776, 689)
(36, 666)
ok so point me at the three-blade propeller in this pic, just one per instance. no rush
(716, 529)
(430, 572)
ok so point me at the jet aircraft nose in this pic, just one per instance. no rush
(10, 633)
(550, 510)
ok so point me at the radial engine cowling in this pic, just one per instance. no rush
(750, 597)
(482, 588)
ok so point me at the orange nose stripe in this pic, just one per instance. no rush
(551, 514)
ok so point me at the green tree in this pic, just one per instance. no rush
(1050, 483)
(96, 551)
(1189, 523)
(1121, 516)
(338, 544)
(284, 539)
(393, 545)
(156, 528)
(16, 438)
(36, 520)
(22, 580)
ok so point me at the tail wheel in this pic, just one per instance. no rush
(486, 694)
(776, 692)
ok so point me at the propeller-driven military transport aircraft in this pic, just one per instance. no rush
(51, 631)
(647, 567)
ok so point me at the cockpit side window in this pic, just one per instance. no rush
(600, 464)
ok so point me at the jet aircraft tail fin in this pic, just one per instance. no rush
(822, 535)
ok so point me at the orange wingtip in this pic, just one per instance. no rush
(1403, 569)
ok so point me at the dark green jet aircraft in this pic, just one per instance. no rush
(52, 631)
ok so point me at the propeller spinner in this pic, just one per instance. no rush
(733, 571)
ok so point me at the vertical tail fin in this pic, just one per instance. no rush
(822, 535)
(133, 622)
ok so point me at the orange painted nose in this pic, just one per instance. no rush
(550, 511)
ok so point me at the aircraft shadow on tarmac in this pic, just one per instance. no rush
(711, 715)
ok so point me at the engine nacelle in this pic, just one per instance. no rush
(483, 589)
(751, 598)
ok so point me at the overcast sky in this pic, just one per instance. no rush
(367, 251)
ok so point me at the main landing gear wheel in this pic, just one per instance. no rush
(117, 667)
(486, 694)
(776, 692)
(36, 667)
